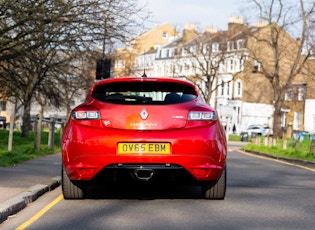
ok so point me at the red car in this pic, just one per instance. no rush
(145, 129)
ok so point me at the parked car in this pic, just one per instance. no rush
(3, 122)
(268, 131)
(254, 130)
(147, 130)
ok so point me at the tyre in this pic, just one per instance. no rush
(215, 190)
(71, 189)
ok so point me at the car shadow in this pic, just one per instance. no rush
(142, 191)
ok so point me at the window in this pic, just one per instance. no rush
(240, 44)
(171, 54)
(228, 88)
(222, 88)
(165, 35)
(205, 49)
(240, 64)
(139, 93)
(3, 106)
(184, 52)
(164, 53)
(193, 49)
(238, 88)
(297, 119)
(257, 66)
(222, 66)
(296, 93)
(230, 46)
(231, 65)
(215, 47)
(301, 94)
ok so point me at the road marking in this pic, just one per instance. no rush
(40, 213)
(277, 160)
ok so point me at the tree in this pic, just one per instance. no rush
(211, 62)
(42, 42)
(287, 57)
(215, 58)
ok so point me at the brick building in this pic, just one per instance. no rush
(242, 94)
(150, 40)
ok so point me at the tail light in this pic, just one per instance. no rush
(201, 116)
(85, 113)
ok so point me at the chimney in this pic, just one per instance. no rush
(211, 30)
(260, 24)
(235, 24)
(189, 32)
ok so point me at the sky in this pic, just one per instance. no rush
(202, 13)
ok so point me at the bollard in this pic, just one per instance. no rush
(36, 144)
(37, 132)
(51, 135)
(266, 141)
(285, 144)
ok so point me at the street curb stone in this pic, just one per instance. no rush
(20, 201)
(304, 163)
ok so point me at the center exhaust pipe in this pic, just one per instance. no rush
(143, 174)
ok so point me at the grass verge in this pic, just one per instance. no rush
(23, 148)
(294, 150)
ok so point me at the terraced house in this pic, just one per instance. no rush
(231, 67)
(150, 40)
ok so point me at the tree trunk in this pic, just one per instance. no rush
(26, 119)
(277, 120)
(12, 122)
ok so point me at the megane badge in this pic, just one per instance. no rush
(144, 114)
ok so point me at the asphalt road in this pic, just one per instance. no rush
(261, 194)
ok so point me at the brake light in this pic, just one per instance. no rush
(86, 115)
(202, 116)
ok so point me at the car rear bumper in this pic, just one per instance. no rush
(198, 151)
(200, 167)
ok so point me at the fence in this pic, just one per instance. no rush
(52, 129)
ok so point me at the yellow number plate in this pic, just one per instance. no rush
(146, 148)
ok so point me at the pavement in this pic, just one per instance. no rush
(23, 183)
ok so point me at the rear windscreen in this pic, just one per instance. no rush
(137, 93)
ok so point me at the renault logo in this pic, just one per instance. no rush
(144, 114)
